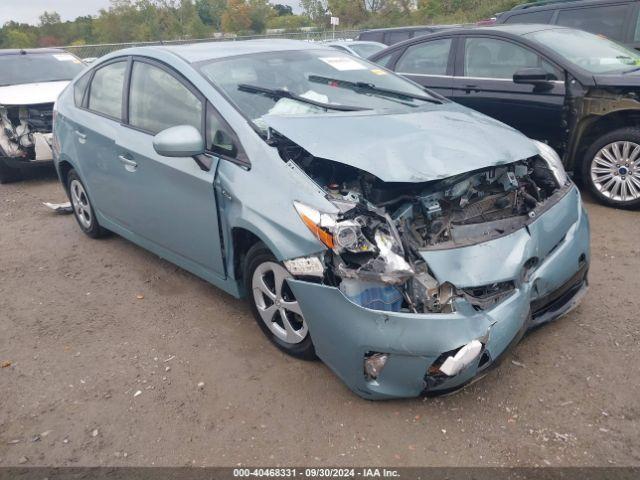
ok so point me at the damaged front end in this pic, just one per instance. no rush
(376, 240)
(442, 276)
(26, 132)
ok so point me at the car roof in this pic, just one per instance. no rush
(200, 52)
(517, 29)
(27, 51)
(348, 43)
(555, 4)
(413, 27)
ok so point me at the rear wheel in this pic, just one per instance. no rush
(9, 174)
(82, 208)
(611, 168)
(274, 306)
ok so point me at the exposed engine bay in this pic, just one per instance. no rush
(375, 241)
(25, 131)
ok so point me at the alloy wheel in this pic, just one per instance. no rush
(615, 171)
(277, 306)
(81, 205)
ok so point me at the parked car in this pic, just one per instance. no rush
(359, 49)
(30, 81)
(576, 91)
(405, 240)
(390, 36)
(615, 19)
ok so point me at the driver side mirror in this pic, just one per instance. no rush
(182, 141)
(533, 76)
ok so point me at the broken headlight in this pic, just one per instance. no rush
(554, 162)
(367, 245)
(345, 235)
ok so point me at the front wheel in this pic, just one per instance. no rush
(274, 306)
(82, 208)
(611, 168)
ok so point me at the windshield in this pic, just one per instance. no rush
(310, 81)
(38, 67)
(365, 50)
(591, 52)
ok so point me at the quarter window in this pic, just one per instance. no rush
(221, 139)
(606, 20)
(105, 95)
(158, 100)
(492, 58)
(429, 58)
(79, 88)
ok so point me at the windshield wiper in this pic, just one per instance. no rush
(370, 87)
(277, 94)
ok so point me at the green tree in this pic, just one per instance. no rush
(210, 12)
(18, 39)
(283, 10)
(236, 16)
(316, 10)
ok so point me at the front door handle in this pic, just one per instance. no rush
(129, 164)
(82, 137)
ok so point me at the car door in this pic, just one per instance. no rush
(430, 64)
(484, 81)
(96, 127)
(171, 203)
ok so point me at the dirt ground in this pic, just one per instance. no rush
(99, 376)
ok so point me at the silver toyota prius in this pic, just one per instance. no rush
(403, 239)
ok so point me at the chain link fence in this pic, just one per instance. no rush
(95, 51)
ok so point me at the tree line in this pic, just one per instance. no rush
(151, 20)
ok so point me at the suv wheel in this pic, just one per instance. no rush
(274, 306)
(611, 168)
(82, 209)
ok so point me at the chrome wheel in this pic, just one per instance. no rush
(615, 171)
(81, 205)
(277, 306)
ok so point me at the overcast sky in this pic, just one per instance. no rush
(28, 11)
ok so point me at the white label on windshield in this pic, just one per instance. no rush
(344, 63)
(64, 57)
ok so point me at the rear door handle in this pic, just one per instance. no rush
(129, 164)
(82, 137)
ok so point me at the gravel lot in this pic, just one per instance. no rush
(87, 324)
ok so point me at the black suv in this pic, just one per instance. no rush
(390, 36)
(577, 91)
(615, 19)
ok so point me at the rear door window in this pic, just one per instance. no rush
(543, 16)
(429, 58)
(158, 100)
(607, 20)
(105, 94)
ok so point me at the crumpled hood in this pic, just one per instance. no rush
(31, 93)
(419, 146)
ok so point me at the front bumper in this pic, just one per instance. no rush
(42, 153)
(343, 332)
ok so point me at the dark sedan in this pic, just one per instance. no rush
(576, 91)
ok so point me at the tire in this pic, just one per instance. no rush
(275, 309)
(9, 174)
(611, 168)
(82, 208)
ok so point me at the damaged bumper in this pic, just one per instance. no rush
(417, 349)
